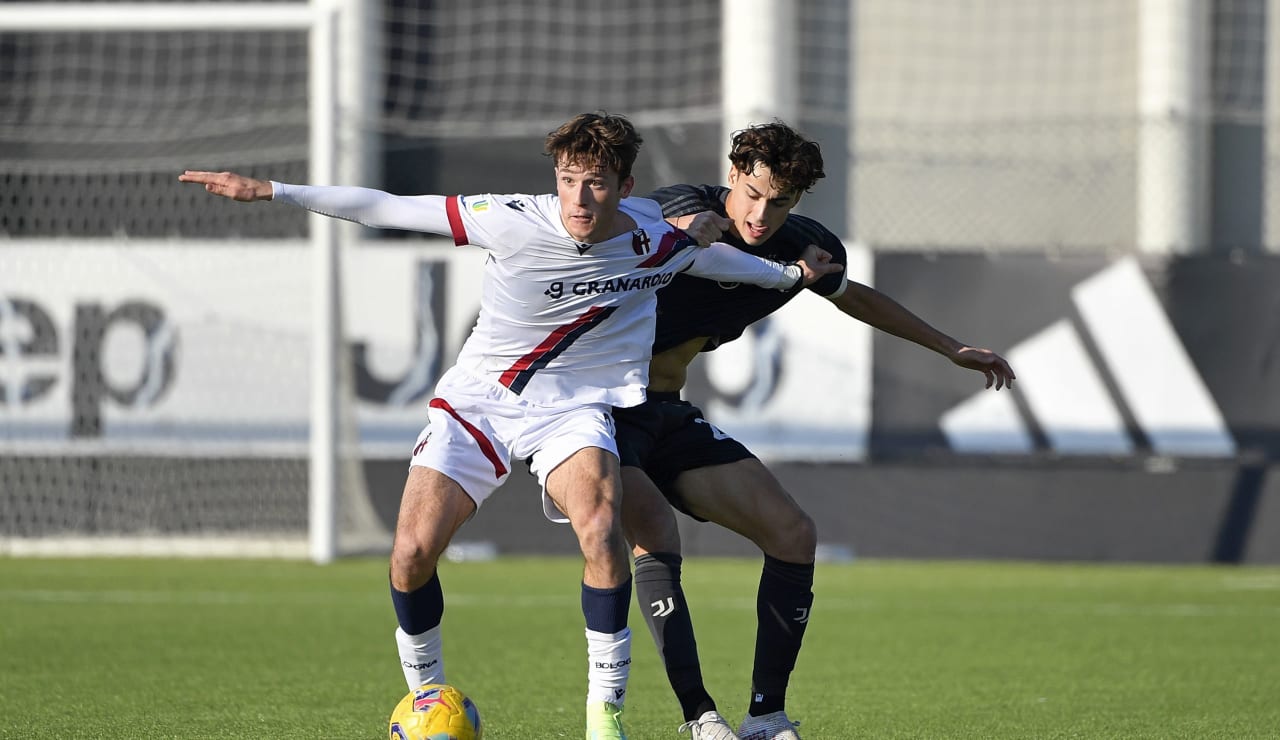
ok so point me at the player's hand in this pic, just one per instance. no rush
(815, 262)
(230, 185)
(995, 367)
(704, 227)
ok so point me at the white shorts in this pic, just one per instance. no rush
(475, 428)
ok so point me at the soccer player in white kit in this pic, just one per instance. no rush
(565, 332)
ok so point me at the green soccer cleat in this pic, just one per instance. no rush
(772, 726)
(604, 721)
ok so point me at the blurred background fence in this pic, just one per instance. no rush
(1087, 187)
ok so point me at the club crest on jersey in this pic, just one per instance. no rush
(673, 242)
(640, 241)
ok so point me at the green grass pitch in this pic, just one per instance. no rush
(125, 648)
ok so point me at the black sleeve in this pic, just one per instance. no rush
(682, 200)
(828, 284)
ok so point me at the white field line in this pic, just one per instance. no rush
(128, 597)
(570, 601)
(266, 545)
(1252, 583)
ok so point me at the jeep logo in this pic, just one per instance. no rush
(30, 349)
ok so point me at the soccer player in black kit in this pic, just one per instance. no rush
(672, 457)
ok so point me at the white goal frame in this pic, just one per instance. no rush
(321, 20)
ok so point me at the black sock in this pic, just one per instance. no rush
(657, 578)
(782, 611)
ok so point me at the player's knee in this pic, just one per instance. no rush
(658, 538)
(652, 530)
(793, 537)
(412, 564)
(805, 534)
(599, 531)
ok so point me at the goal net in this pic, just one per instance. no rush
(155, 345)
(158, 347)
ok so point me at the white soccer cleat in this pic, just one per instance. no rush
(772, 726)
(710, 726)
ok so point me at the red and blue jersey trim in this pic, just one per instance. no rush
(452, 209)
(486, 446)
(518, 375)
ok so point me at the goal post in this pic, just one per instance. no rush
(166, 26)
(326, 334)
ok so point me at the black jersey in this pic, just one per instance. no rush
(691, 306)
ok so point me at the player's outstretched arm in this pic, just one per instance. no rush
(230, 185)
(721, 261)
(869, 305)
(375, 208)
(997, 369)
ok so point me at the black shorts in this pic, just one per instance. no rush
(665, 436)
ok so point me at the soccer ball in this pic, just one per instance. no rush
(435, 711)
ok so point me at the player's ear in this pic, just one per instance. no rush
(628, 183)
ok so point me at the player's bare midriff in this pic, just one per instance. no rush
(668, 370)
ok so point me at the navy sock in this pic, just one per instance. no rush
(606, 608)
(782, 612)
(420, 609)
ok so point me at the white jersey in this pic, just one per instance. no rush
(560, 320)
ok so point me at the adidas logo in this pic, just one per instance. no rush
(1113, 382)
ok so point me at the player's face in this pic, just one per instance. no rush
(755, 206)
(589, 197)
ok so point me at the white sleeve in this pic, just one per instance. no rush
(721, 261)
(373, 208)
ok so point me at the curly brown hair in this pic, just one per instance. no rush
(599, 139)
(794, 161)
